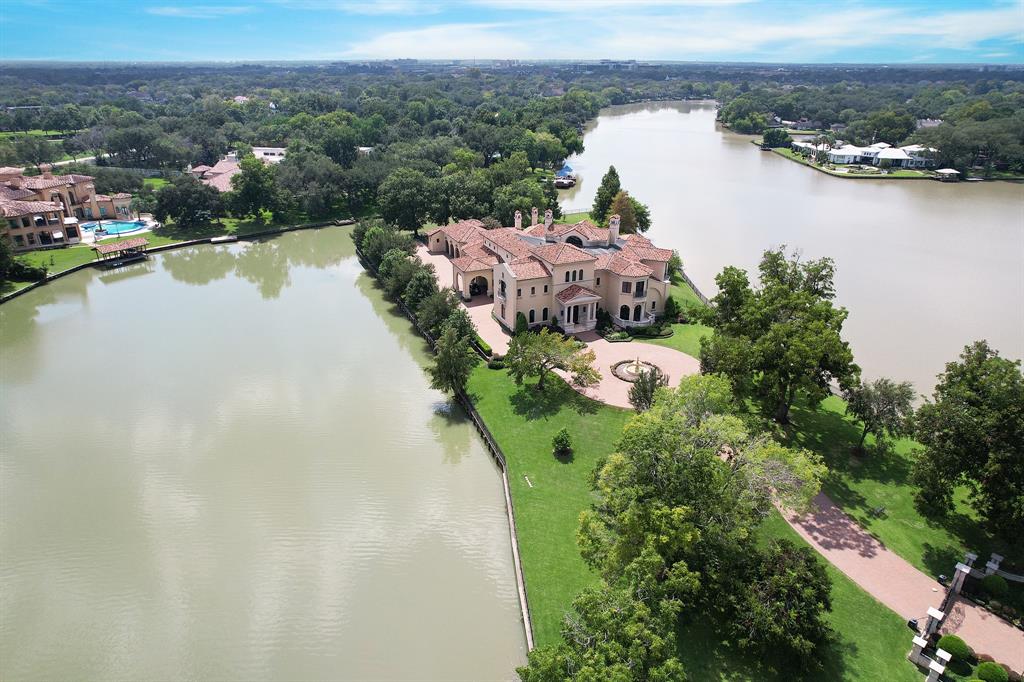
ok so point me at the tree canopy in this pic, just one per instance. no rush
(973, 434)
(783, 339)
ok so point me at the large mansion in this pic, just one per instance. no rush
(557, 273)
(44, 210)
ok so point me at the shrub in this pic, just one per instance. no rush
(522, 325)
(495, 363)
(672, 309)
(484, 346)
(957, 647)
(490, 222)
(604, 319)
(995, 586)
(992, 672)
(561, 443)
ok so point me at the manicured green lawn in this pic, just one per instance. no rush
(871, 641)
(523, 422)
(572, 218)
(685, 338)
(880, 478)
(155, 183)
(683, 293)
(56, 260)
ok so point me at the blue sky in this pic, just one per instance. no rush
(915, 31)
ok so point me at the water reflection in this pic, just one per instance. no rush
(266, 262)
(301, 505)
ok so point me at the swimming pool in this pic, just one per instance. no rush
(115, 226)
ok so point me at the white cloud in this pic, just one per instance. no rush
(592, 5)
(445, 41)
(404, 7)
(199, 12)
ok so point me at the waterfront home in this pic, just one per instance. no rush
(43, 210)
(219, 175)
(557, 273)
(878, 154)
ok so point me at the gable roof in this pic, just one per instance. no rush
(528, 267)
(561, 253)
(622, 264)
(575, 291)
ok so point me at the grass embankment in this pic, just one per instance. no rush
(871, 642)
(572, 218)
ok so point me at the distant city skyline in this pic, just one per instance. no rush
(849, 31)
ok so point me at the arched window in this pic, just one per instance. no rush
(581, 275)
(566, 275)
(624, 312)
(638, 312)
(531, 317)
(574, 275)
(544, 315)
(653, 304)
(574, 240)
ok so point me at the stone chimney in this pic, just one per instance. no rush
(533, 217)
(47, 170)
(519, 220)
(613, 230)
(15, 182)
(549, 219)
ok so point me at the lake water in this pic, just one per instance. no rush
(227, 463)
(923, 267)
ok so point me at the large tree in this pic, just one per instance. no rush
(536, 355)
(622, 206)
(405, 198)
(454, 360)
(613, 633)
(783, 339)
(973, 434)
(779, 602)
(253, 190)
(610, 186)
(188, 202)
(690, 483)
(883, 406)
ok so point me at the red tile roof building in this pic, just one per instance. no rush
(557, 272)
(43, 211)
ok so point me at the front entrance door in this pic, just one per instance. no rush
(575, 314)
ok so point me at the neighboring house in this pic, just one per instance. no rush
(805, 124)
(557, 272)
(44, 210)
(837, 127)
(219, 175)
(878, 154)
(928, 123)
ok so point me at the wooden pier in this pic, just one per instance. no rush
(116, 254)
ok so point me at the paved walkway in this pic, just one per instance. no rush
(896, 583)
(609, 390)
(877, 570)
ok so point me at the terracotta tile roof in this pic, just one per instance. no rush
(471, 264)
(589, 230)
(11, 170)
(637, 239)
(221, 181)
(621, 264)
(12, 208)
(508, 239)
(464, 230)
(478, 250)
(122, 195)
(561, 253)
(574, 291)
(528, 267)
(15, 193)
(102, 197)
(435, 228)
(132, 243)
(40, 182)
(648, 252)
(201, 168)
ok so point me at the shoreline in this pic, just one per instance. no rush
(177, 245)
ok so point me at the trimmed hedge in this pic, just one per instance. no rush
(484, 346)
(992, 672)
(956, 647)
(995, 586)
